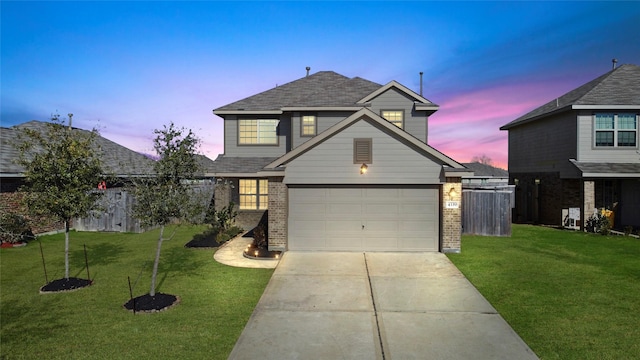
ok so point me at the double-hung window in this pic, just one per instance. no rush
(396, 117)
(257, 132)
(308, 125)
(616, 130)
(254, 194)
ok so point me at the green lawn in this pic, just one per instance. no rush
(90, 323)
(569, 295)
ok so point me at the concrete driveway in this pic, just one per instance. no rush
(322, 305)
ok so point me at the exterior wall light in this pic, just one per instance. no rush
(516, 181)
(452, 192)
(363, 169)
(537, 181)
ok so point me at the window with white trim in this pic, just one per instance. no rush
(396, 117)
(616, 130)
(257, 132)
(308, 125)
(254, 194)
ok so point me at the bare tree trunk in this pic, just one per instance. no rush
(154, 274)
(66, 249)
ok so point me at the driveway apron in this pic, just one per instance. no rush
(340, 305)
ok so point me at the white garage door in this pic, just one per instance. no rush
(363, 219)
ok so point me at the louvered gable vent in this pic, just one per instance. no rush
(362, 149)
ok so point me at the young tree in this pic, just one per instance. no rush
(62, 170)
(167, 196)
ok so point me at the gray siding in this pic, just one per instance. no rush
(588, 153)
(544, 146)
(415, 122)
(324, 120)
(332, 161)
(231, 147)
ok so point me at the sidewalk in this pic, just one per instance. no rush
(230, 253)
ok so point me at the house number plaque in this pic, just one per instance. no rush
(452, 204)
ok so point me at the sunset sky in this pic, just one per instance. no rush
(127, 68)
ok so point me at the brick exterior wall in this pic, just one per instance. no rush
(542, 203)
(222, 196)
(278, 211)
(11, 202)
(452, 218)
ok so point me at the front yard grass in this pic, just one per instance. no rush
(569, 295)
(90, 323)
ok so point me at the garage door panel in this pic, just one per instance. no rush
(394, 219)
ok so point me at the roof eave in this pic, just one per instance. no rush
(247, 112)
(534, 118)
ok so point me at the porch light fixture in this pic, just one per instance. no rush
(452, 192)
(516, 181)
(363, 169)
(537, 181)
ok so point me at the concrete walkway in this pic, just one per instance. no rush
(230, 253)
(374, 306)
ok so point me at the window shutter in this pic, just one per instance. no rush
(362, 149)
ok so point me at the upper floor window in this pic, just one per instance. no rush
(616, 130)
(254, 194)
(396, 117)
(258, 131)
(308, 125)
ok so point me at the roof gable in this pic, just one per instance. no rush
(394, 84)
(366, 115)
(619, 87)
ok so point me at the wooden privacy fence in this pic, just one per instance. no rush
(486, 212)
(117, 205)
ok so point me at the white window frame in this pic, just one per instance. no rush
(391, 116)
(304, 126)
(261, 134)
(615, 129)
(253, 194)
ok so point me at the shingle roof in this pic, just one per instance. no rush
(207, 165)
(590, 169)
(230, 164)
(486, 170)
(620, 86)
(324, 88)
(116, 158)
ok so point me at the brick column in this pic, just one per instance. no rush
(589, 201)
(278, 212)
(451, 217)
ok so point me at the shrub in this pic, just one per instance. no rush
(14, 228)
(598, 223)
(223, 219)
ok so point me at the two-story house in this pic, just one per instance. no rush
(340, 164)
(580, 152)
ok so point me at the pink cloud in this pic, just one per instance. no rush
(468, 124)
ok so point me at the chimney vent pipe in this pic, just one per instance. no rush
(614, 61)
(421, 83)
(308, 68)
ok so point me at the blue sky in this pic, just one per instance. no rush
(127, 68)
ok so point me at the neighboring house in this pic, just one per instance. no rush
(117, 160)
(341, 164)
(580, 152)
(485, 175)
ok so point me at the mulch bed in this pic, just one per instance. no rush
(61, 285)
(6, 245)
(261, 254)
(147, 303)
(206, 240)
